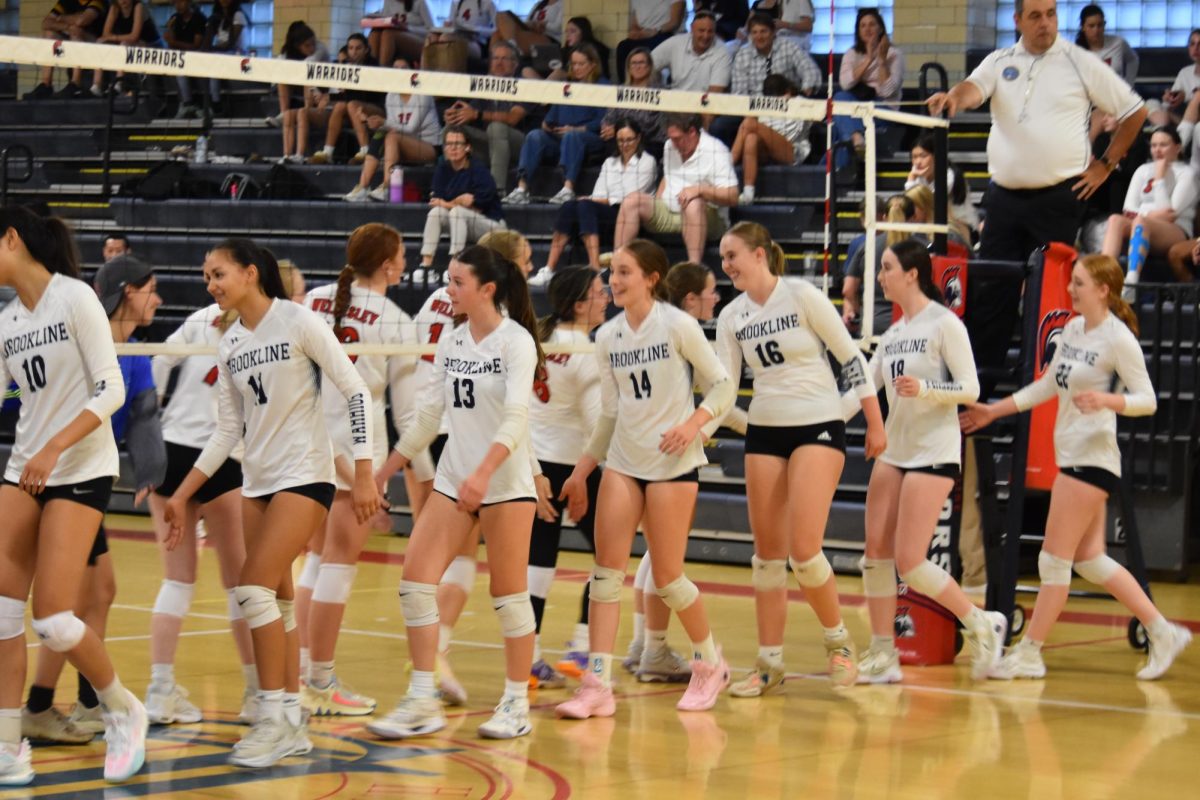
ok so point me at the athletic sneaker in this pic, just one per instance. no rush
(268, 742)
(541, 277)
(336, 700)
(663, 665)
(574, 663)
(880, 666)
(1163, 652)
(452, 692)
(1021, 661)
(358, 158)
(249, 712)
(70, 91)
(125, 734)
(843, 671)
(52, 727)
(88, 719)
(633, 659)
(412, 716)
(510, 721)
(16, 764)
(359, 194)
(706, 685)
(591, 699)
(43, 91)
(379, 194)
(544, 676)
(517, 197)
(320, 157)
(987, 643)
(564, 195)
(169, 706)
(301, 744)
(763, 679)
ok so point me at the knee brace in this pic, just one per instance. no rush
(60, 632)
(258, 605)
(879, 577)
(461, 573)
(516, 614)
(287, 613)
(418, 603)
(679, 593)
(12, 618)
(235, 611)
(1098, 570)
(606, 584)
(812, 573)
(309, 572)
(768, 574)
(927, 578)
(641, 578)
(174, 598)
(1053, 571)
(334, 583)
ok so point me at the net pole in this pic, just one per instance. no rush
(869, 247)
(828, 159)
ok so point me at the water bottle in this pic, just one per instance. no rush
(1139, 249)
(201, 152)
(396, 185)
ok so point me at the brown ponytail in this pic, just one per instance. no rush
(899, 209)
(368, 247)
(48, 239)
(755, 236)
(512, 292)
(341, 298)
(1105, 271)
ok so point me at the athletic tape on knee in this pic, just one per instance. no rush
(235, 611)
(309, 572)
(813, 572)
(606, 584)
(679, 593)
(334, 583)
(768, 574)
(516, 614)
(257, 604)
(1098, 570)
(461, 573)
(287, 613)
(927, 578)
(540, 581)
(174, 598)
(12, 618)
(1053, 571)
(642, 577)
(60, 632)
(418, 603)
(879, 577)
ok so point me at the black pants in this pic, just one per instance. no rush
(543, 543)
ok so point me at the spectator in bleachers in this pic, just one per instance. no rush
(577, 31)
(185, 31)
(410, 22)
(872, 70)
(407, 132)
(793, 19)
(960, 206)
(347, 104)
(495, 128)
(694, 61)
(115, 244)
(539, 34)
(730, 16)
(769, 140)
(693, 197)
(651, 22)
(299, 104)
(471, 21)
(79, 21)
(130, 23)
(569, 135)
(639, 72)
(1184, 260)
(900, 208)
(630, 171)
(1184, 88)
(1161, 202)
(226, 24)
(463, 197)
(1112, 50)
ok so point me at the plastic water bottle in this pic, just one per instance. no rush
(1139, 249)
(201, 151)
(396, 185)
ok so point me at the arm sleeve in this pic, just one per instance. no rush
(729, 354)
(827, 323)
(323, 348)
(708, 368)
(606, 423)
(94, 339)
(230, 420)
(520, 360)
(963, 386)
(144, 441)
(402, 384)
(425, 421)
(1037, 392)
(850, 402)
(1140, 398)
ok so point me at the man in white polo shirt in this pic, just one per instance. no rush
(696, 61)
(694, 195)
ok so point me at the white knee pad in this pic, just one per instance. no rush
(1098, 570)
(769, 574)
(606, 584)
(12, 618)
(540, 581)
(287, 613)
(1053, 571)
(461, 573)
(879, 577)
(642, 578)
(418, 603)
(174, 598)
(927, 578)
(235, 611)
(679, 593)
(334, 583)
(516, 614)
(309, 572)
(258, 605)
(812, 573)
(60, 632)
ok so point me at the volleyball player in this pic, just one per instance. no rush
(483, 374)
(58, 348)
(268, 364)
(1097, 354)
(359, 311)
(795, 441)
(925, 364)
(649, 435)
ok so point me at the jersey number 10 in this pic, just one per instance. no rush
(35, 373)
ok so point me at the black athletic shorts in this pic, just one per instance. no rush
(941, 470)
(489, 505)
(691, 476)
(99, 547)
(1096, 476)
(783, 440)
(436, 448)
(93, 494)
(320, 492)
(181, 459)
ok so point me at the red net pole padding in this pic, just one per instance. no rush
(1053, 314)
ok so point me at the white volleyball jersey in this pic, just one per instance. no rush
(434, 319)
(933, 347)
(566, 405)
(190, 418)
(1099, 360)
(478, 386)
(61, 355)
(371, 318)
(269, 383)
(784, 341)
(646, 383)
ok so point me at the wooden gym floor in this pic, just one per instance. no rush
(1090, 730)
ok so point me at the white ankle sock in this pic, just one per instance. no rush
(114, 697)
(885, 643)
(518, 690)
(537, 647)
(270, 704)
(836, 633)
(162, 675)
(421, 684)
(772, 654)
(305, 664)
(748, 191)
(654, 640)
(320, 674)
(600, 665)
(580, 638)
(706, 651)
(250, 675)
(327, 150)
(1159, 629)
(291, 708)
